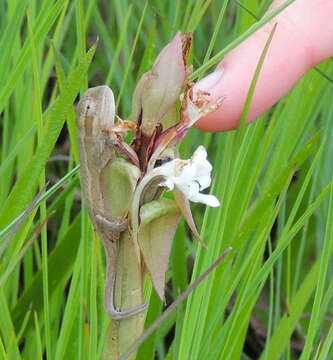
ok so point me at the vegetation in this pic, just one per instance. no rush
(270, 298)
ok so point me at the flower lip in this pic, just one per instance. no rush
(190, 177)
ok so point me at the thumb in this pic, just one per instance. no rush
(303, 38)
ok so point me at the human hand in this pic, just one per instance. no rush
(303, 38)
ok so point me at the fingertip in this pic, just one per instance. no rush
(215, 86)
(210, 81)
(289, 56)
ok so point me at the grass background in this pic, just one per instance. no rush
(271, 298)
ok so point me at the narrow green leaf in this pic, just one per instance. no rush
(7, 329)
(54, 120)
(289, 321)
(120, 44)
(39, 200)
(39, 354)
(172, 307)
(148, 57)
(218, 57)
(8, 36)
(60, 265)
(324, 261)
(43, 23)
(241, 125)
(327, 344)
(129, 62)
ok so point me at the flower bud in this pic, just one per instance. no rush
(158, 90)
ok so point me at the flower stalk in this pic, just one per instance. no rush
(128, 294)
(123, 183)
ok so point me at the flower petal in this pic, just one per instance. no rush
(189, 177)
(207, 199)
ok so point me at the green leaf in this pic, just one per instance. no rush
(147, 350)
(149, 54)
(53, 118)
(323, 272)
(265, 201)
(289, 321)
(60, 264)
(43, 23)
(8, 332)
(218, 57)
(8, 36)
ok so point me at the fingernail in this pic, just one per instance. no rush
(209, 82)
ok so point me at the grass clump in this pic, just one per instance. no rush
(269, 299)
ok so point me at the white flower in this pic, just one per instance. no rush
(190, 177)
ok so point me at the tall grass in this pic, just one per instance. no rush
(271, 298)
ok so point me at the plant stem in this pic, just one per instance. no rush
(128, 293)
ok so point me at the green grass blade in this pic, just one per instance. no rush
(327, 344)
(42, 26)
(218, 57)
(55, 117)
(315, 314)
(60, 265)
(120, 44)
(129, 62)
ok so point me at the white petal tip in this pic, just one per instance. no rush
(209, 200)
(213, 201)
